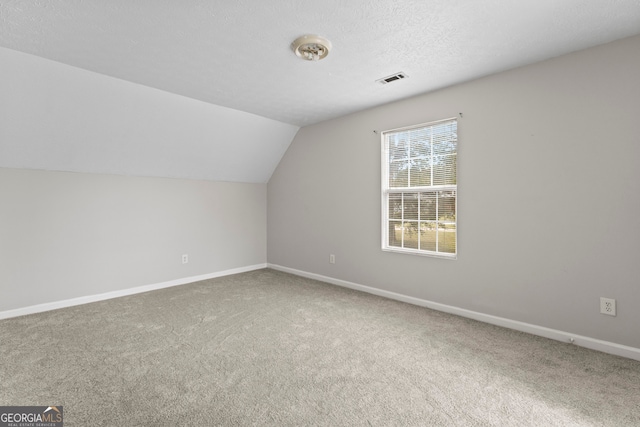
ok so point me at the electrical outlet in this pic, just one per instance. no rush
(332, 259)
(185, 258)
(608, 306)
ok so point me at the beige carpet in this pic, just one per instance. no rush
(269, 348)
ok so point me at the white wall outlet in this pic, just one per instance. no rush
(332, 259)
(608, 306)
(185, 258)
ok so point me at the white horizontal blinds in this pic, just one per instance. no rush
(420, 191)
(423, 220)
(423, 157)
(409, 158)
(443, 155)
(398, 164)
(428, 220)
(446, 225)
(395, 217)
(420, 171)
(410, 224)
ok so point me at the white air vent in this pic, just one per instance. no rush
(392, 78)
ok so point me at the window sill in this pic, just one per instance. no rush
(429, 254)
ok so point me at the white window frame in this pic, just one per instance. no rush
(386, 191)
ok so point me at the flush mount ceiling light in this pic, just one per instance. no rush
(311, 48)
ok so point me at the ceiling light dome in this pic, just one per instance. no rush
(311, 48)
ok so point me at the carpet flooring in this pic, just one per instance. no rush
(270, 348)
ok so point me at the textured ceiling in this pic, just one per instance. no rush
(236, 53)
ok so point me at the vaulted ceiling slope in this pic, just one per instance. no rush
(225, 94)
(57, 117)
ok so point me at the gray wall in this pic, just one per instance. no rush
(549, 197)
(65, 235)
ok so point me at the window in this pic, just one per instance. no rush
(419, 189)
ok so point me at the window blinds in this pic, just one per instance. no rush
(420, 189)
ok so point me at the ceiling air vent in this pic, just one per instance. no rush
(392, 78)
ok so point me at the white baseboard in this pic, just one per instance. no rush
(121, 293)
(587, 342)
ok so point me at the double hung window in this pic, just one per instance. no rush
(419, 189)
